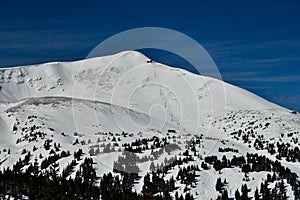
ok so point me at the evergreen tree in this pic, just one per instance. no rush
(237, 195)
(167, 196)
(176, 196)
(147, 193)
(152, 166)
(256, 194)
(225, 195)
(244, 192)
(219, 185)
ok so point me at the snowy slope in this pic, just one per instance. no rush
(127, 80)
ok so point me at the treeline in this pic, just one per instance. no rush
(35, 184)
(278, 192)
(140, 145)
(285, 150)
(257, 163)
(47, 183)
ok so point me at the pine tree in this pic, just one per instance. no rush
(244, 192)
(176, 196)
(167, 196)
(152, 166)
(35, 168)
(281, 188)
(256, 195)
(237, 195)
(219, 185)
(147, 193)
(225, 195)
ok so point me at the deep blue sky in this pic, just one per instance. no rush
(255, 44)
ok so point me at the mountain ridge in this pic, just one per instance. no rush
(20, 71)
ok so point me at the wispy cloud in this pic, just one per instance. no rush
(237, 45)
(270, 53)
(234, 75)
(253, 78)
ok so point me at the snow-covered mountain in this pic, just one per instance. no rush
(101, 105)
(128, 80)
